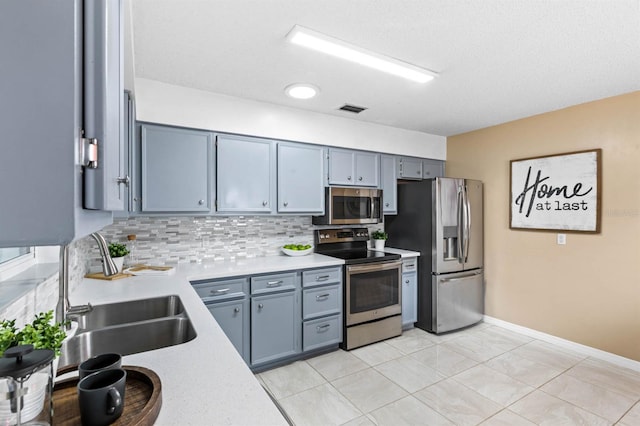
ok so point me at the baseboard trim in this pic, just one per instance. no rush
(567, 344)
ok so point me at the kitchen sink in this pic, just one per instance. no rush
(127, 339)
(128, 328)
(128, 312)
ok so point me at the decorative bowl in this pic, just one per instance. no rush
(289, 252)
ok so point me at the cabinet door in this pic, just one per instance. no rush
(388, 180)
(432, 169)
(176, 169)
(233, 318)
(341, 167)
(367, 169)
(275, 327)
(300, 178)
(410, 168)
(409, 299)
(246, 179)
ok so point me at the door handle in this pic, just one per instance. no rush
(272, 284)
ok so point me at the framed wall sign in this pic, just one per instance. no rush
(559, 192)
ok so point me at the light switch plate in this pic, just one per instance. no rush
(562, 239)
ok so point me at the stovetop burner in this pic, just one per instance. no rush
(349, 244)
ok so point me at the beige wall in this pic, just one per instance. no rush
(587, 291)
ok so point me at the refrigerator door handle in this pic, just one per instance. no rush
(467, 223)
(460, 214)
(462, 278)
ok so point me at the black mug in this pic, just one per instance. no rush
(98, 363)
(101, 397)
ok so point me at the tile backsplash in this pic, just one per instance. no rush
(173, 240)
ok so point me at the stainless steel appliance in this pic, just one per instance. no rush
(442, 218)
(373, 290)
(350, 205)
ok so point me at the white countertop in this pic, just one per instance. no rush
(403, 253)
(204, 381)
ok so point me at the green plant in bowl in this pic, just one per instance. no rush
(118, 250)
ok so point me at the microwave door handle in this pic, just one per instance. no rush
(371, 207)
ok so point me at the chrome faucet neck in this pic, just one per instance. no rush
(108, 267)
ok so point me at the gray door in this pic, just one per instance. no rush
(233, 318)
(458, 300)
(275, 323)
(300, 178)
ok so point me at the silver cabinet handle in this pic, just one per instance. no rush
(322, 278)
(236, 310)
(348, 177)
(260, 306)
(322, 296)
(286, 204)
(264, 203)
(220, 291)
(386, 204)
(125, 180)
(272, 284)
(201, 202)
(360, 178)
(406, 282)
(324, 327)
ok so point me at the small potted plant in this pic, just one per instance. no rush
(117, 252)
(379, 238)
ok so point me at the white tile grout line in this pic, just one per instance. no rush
(567, 344)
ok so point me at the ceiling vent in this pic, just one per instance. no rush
(352, 108)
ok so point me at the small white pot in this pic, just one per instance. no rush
(119, 261)
(378, 244)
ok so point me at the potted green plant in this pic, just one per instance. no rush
(379, 238)
(118, 251)
(43, 333)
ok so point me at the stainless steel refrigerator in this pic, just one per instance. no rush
(442, 218)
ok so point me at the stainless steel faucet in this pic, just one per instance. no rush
(64, 308)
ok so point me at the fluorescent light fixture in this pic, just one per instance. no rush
(301, 90)
(331, 46)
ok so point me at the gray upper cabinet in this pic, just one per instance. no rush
(388, 184)
(357, 168)
(409, 168)
(300, 178)
(246, 174)
(176, 169)
(432, 168)
(44, 109)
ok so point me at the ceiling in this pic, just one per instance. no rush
(498, 60)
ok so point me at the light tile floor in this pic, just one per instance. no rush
(483, 375)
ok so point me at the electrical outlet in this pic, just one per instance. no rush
(562, 239)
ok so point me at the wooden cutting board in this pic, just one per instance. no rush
(100, 276)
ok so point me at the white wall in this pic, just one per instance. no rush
(180, 106)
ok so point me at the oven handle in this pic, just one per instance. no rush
(373, 266)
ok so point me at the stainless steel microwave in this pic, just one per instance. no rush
(350, 205)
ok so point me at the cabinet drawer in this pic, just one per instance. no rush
(409, 265)
(221, 290)
(321, 277)
(321, 332)
(272, 283)
(321, 301)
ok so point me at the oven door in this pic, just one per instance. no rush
(373, 291)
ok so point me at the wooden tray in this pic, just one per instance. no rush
(142, 400)
(101, 276)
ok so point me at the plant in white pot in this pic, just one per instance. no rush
(379, 238)
(43, 333)
(117, 252)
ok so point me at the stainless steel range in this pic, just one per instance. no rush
(372, 294)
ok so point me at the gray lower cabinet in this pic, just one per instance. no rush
(233, 318)
(228, 302)
(409, 292)
(300, 178)
(321, 308)
(389, 184)
(176, 169)
(246, 174)
(275, 320)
